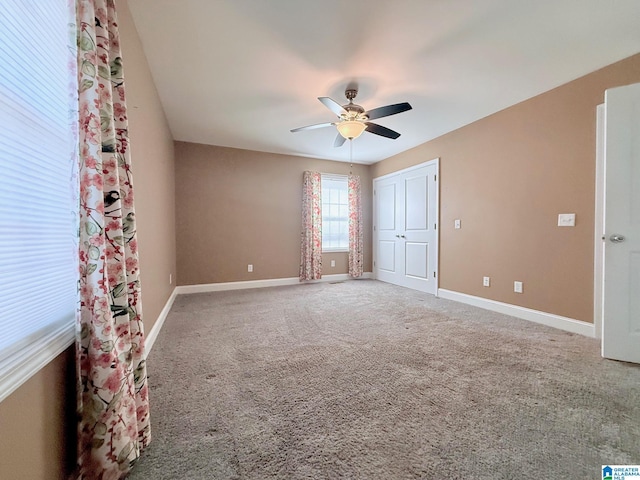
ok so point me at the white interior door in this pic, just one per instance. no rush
(621, 302)
(405, 230)
(386, 230)
(419, 240)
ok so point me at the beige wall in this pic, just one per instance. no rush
(507, 177)
(37, 424)
(152, 155)
(37, 421)
(239, 207)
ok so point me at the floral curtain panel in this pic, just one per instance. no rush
(113, 404)
(356, 257)
(311, 237)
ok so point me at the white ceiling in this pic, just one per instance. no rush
(243, 73)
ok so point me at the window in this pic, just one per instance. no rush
(38, 229)
(335, 213)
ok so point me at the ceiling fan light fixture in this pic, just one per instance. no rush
(351, 129)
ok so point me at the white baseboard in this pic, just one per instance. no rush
(549, 319)
(151, 337)
(271, 282)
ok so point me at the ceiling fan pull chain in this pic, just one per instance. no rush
(351, 156)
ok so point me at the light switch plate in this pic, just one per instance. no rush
(456, 223)
(567, 220)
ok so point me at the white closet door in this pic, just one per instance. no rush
(387, 228)
(405, 230)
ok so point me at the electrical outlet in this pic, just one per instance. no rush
(486, 281)
(249, 268)
(456, 223)
(517, 287)
(333, 263)
(170, 279)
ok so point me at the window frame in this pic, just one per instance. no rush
(341, 178)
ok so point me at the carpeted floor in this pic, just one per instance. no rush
(366, 380)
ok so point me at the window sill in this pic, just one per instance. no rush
(16, 370)
(336, 250)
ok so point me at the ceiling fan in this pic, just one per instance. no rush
(353, 119)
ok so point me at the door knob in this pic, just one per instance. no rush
(402, 236)
(616, 238)
(397, 236)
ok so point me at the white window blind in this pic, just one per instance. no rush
(335, 213)
(38, 229)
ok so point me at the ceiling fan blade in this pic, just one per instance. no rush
(339, 141)
(332, 105)
(311, 127)
(380, 130)
(387, 110)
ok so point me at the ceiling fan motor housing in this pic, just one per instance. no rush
(353, 111)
